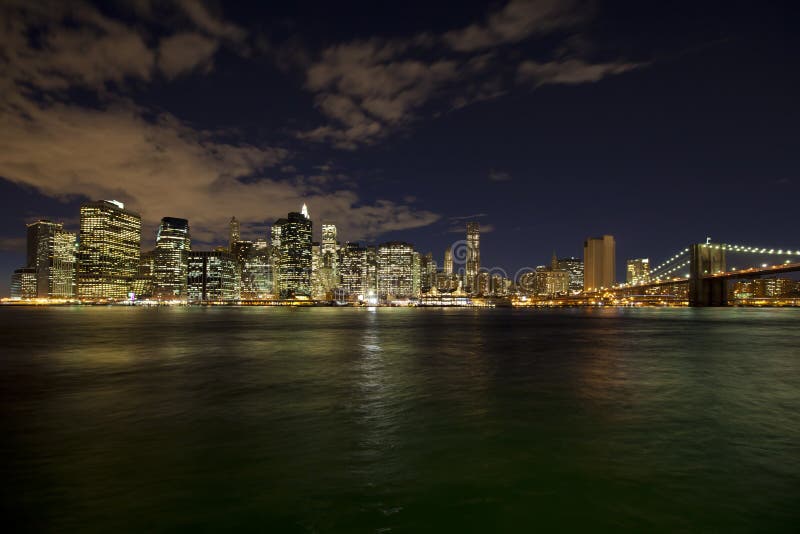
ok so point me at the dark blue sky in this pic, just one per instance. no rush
(546, 121)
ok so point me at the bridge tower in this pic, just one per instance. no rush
(707, 259)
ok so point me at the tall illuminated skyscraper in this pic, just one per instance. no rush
(599, 263)
(212, 276)
(396, 264)
(51, 253)
(352, 270)
(574, 266)
(448, 261)
(329, 251)
(234, 233)
(473, 255)
(108, 256)
(173, 244)
(295, 233)
(638, 271)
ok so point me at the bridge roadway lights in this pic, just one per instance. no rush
(706, 259)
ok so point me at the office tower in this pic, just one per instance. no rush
(173, 243)
(234, 234)
(212, 276)
(427, 272)
(638, 271)
(142, 286)
(473, 255)
(482, 282)
(352, 270)
(599, 263)
(448, 261)
(295, 254)
(23, 284)
(108, 256)
(253, 263)
(395, 263)
(329, 242)
(329, 276)
(51, 253)
(574, 266)
(416, 274)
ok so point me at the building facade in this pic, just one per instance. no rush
(395, 271)
(473, 263)
(108, 255)
(294, 249)
(212, 276)
(52, 255)
(574, 266)
(170, 262)
(638, 271)
(599, 263)
(23, 284)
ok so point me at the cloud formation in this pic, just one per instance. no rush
(368, 89)
(569, 72)
(518, 20)
(156, 163)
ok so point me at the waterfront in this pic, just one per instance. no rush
(324, 419)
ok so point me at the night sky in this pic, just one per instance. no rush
(546, 121)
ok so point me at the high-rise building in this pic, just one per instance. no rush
(253, 262)
(234, 234)
(448, 261)
(427, 272)
(23, 284)
(599, 263)
(395, 265)
(638, 271)
(173, 244)
(352, 269)
(482, 283)
(51, 253)
(329, 276)
(108, 256)
(574, 266)
(473, 264)
(142, 285)
(212, 276)
(295, 254)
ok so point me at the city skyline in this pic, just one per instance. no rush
(545, 122)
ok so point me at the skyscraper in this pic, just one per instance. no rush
(599, 263)
(574, 266)
(253, 261)
(108, 256)
(234, 233)
(395, 270)
(173, 243)
(638, 271)
(23, 284)
(448, 261)
(212, 276)
(329, 255)
(473, 255)
(352, 269)
(295, 254)
(51, 253)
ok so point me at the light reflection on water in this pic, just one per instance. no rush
(353, 419)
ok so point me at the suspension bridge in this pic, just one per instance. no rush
(701, 271)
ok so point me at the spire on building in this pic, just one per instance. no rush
(304, 211)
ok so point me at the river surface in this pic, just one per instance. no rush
(400, 420)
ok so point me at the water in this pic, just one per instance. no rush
(401, 420)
